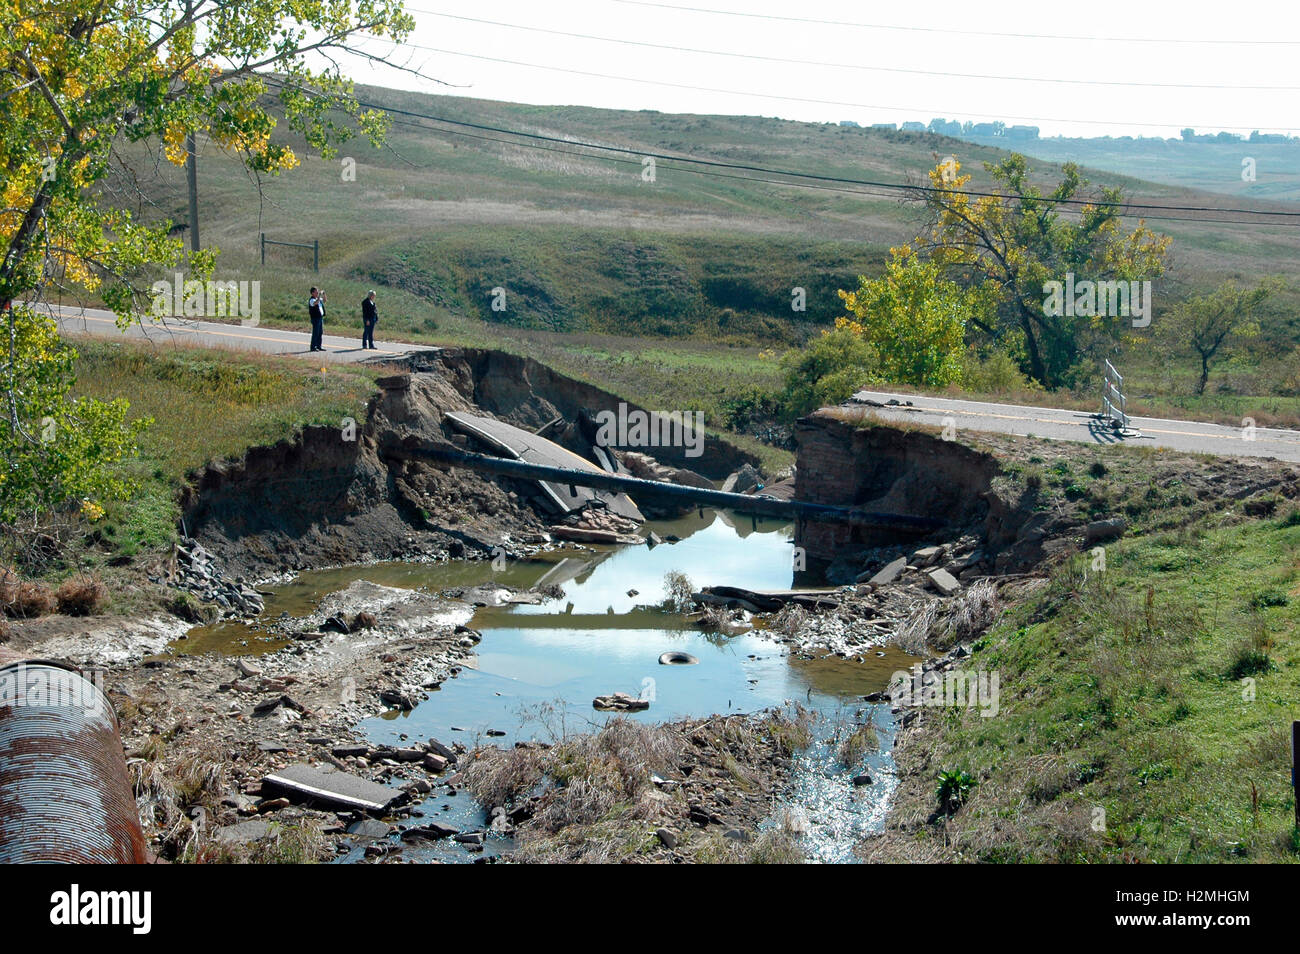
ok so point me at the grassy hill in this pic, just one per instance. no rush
(594, 260)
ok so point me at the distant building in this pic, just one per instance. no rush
(913, 127)
(890, 126)
(849, 122)
(1021, 133)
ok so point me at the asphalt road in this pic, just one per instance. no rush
(1050, 423)
(215, 334)
(1084, 426)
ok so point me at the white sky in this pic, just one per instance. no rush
(1269, 58)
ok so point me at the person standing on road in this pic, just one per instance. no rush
(369, 318)
(316, 311)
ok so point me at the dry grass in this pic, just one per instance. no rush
(80, 596)
(24, 599)
(857, 744)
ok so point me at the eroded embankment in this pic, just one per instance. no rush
(846, 459)
(333, 495)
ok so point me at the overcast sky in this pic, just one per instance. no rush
(1175, 45)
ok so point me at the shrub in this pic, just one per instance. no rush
(998, 373)
(80, 597)
(954, 788)
(827, 371)
(24, 599)
(189, 608)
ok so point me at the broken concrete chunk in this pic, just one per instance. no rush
(943, 582)
(330, 787)
(890, 573)
(927, 556)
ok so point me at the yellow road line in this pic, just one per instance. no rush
(1049, 420)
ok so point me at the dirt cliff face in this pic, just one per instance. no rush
(529, 394)
(333, 495)
(890, 470)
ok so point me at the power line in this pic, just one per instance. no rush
(779, 182)
(1125, 207)
(952, 31)
(848, 66)
(804, 99)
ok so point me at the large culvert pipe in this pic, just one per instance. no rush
(64, 791)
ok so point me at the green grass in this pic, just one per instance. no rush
(206, 405)
(1122, 693)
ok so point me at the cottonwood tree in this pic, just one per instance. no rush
(1012, 241)
(1208, 326)
(79, 80)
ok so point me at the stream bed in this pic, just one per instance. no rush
(538, 668)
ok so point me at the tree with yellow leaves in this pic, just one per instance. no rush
(80, 78)
(1015, 240)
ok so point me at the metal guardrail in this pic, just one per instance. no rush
(1114, 406)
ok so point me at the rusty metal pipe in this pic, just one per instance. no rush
(65, 795)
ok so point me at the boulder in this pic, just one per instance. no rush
(1099, 531)
(943, 582)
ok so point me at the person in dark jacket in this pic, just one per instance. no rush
(316, 311)
(369, 318)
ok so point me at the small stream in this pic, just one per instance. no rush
(538, 667)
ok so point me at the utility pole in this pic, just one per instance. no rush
(192, 174)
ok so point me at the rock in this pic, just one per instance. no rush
(861, 780)
(336, 624)
(943, 582)
(1100, 531)
(349, 751)
(397, 699)
(699, 816)
(435, 763)
(927, 556)
(653, 540)
(667, 837)
(246, 668)
(743, 480)
(735, 834)
(430, 831)
(272, 805)
(437, 748)
(620, 702)
(243, 832)
(369, 828)
(408, 755)
(888, 574)
(469, 837)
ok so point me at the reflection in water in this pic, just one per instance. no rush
(539, 666)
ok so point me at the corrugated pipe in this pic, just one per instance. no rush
(64, 791)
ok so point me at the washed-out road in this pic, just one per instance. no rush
(1051, 423)
(1083, 426)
